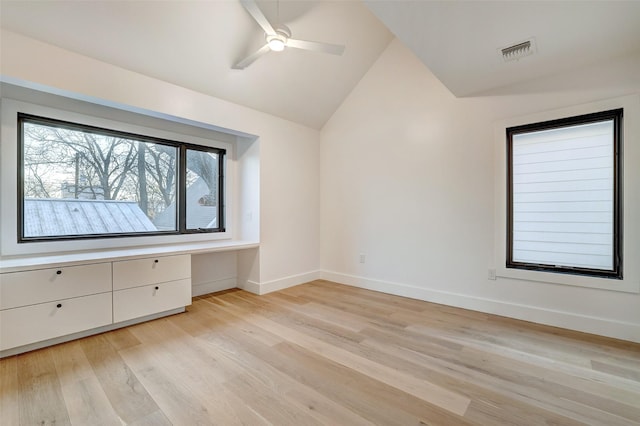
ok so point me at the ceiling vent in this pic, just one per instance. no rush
(519, 50)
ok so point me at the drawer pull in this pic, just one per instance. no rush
(59, 305)
(157, 288)
(58, 272)
(155, 261)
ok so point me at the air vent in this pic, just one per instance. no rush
(519, 50)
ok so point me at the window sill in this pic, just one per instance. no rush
(22, 263)
(625, 286)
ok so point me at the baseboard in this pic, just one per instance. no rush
(250, 286)
(213, 286)
(568, 320)
(279, 284)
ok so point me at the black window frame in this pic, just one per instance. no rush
(617, 116)
(182, 147)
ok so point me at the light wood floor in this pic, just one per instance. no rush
(327, 354)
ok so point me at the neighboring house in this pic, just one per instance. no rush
(199, 215)
(54, 216)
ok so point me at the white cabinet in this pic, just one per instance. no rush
(44, 285)
(49, 303)
(39, 305)
(35, 323)
(149, 299)
(147, 286)
(138, 272)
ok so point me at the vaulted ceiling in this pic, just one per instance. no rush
(461, 41)
(194, 44)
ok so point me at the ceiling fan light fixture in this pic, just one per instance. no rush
(277, 44)
(278, 41)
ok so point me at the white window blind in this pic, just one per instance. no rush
(563, 203)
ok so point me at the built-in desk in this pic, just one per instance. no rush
(45, 300)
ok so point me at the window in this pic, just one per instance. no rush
(78, 181)
(564, 195)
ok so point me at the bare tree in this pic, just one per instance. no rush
(205, 166)
(61, 162)
(105, 162)
(142, 179)
(41, 160)
(160, 164)
(108, 160)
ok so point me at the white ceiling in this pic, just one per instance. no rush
(460, 40)
(195, 43)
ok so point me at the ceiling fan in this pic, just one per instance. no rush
(278, 37)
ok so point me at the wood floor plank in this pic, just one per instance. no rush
(126, 394)
(239, 349)
(194, 389)
(156, 418)
(625, 373)
(556, 382)
(87, 403)
(326, 354)
(370, 398)
(41, 399)
(84, 397)
(9, 392)
(371, 298)
(536, 358)
(122, 339)
(71, 363)
(429, 392)
(175, 387)
(487, 412)
(324, 313)
(519, 386)
(246, 327)
(310, 325)
(378, 319)
(268, 403)
(173, 395)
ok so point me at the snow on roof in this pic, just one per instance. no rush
(63, 216)
(198, 216)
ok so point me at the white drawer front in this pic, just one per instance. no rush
(45, 285)
(140, 272)
(22, 326)
(140, 301)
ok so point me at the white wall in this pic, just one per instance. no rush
(407, 178)
(288, 151)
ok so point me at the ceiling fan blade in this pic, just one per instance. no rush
(251, 58)
(256, 13)
(334, 49)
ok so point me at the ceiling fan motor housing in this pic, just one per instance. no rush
(278, 41)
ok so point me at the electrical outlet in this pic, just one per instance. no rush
(492, 274)
(363, 258)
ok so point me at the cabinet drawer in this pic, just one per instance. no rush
(45, 285)
(140, 301)
(30, 324)
(140, 272)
